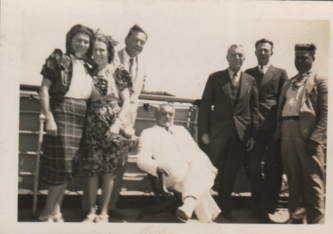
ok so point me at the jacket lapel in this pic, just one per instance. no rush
(269, 75)
(225, 85)
(121, 56)
(310, 83)
(243, 85)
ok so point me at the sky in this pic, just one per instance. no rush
(186, 42)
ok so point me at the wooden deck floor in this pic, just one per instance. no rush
(131, 207)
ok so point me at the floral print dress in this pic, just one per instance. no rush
(100, 156)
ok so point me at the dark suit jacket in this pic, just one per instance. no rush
(243, 113)
(313, 112)
(269, 92)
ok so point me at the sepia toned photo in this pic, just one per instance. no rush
(165, 117)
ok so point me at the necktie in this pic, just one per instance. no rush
(234, 81)
(131, 67)
(168, 129)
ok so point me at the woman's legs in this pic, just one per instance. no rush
(92, 194)
(53, 200)
(107, 187)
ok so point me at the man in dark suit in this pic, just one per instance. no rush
(302, 121)
(229, 128)
(266, 184)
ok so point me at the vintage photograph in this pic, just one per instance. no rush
(167, 114)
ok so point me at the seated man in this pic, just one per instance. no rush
(171, 150)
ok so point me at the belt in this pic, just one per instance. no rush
(290, 118)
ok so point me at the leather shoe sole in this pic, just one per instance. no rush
(181, 215)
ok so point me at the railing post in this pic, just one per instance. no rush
(36, 179)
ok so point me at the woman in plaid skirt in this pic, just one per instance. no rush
(65, 88)
(107, 141)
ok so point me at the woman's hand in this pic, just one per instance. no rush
(114, 130)
(51, 127)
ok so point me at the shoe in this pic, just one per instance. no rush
(181, 215)
(102, 219)
(58, 218)
(229, 216)
(263, 217)
(90, 218)
(116, 215)
(294, 221)
(47, 219)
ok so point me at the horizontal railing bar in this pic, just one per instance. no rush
(30, 112)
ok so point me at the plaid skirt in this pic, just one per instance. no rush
(57, 165)
(100, 156)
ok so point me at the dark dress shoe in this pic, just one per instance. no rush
(294, 221)
(116, 215)
(181, 215)
(229, 216)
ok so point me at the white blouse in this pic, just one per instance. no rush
(81, 84)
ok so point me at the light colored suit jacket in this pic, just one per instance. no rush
(138, 83)
(313, 112)
(179, 150)
(158, 146)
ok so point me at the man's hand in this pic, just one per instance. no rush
(51, 128)
(114, 130)
(165, 169)
(311, 148)
(205, 138)
(250, 143)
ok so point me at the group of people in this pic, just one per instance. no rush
(89, 96)
(261, 115)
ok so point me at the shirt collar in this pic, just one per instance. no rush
(231, 73)
(126, 56)
(158, 126)
(264, 67)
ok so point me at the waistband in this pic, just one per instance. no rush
(290, 118)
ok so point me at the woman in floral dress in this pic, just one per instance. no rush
(106, 141)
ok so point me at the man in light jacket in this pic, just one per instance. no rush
(302, 121)
(171, 150)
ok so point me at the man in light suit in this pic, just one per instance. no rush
(172, 151)
(265, 189)
(302, 121)
(230, 127)
(129, 58)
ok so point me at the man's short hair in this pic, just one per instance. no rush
(308, 47)
(236, 46)
(159, 107)
(264, 40)
(136, 28)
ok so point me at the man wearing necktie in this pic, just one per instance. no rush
(171, 150)
(302, 125)
(230, 126)
(129, 57)
(266, 182)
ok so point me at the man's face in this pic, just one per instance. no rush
(303, 61)
(263, 53)
(135, 43)
(235, 58)
(165, 116)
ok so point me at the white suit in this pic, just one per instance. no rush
(138, 82)
(192, 173)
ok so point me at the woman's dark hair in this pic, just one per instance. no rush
(110, 43)
(80, 29)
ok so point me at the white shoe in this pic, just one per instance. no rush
(102, 219)
(90, 218)
(58, 218)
